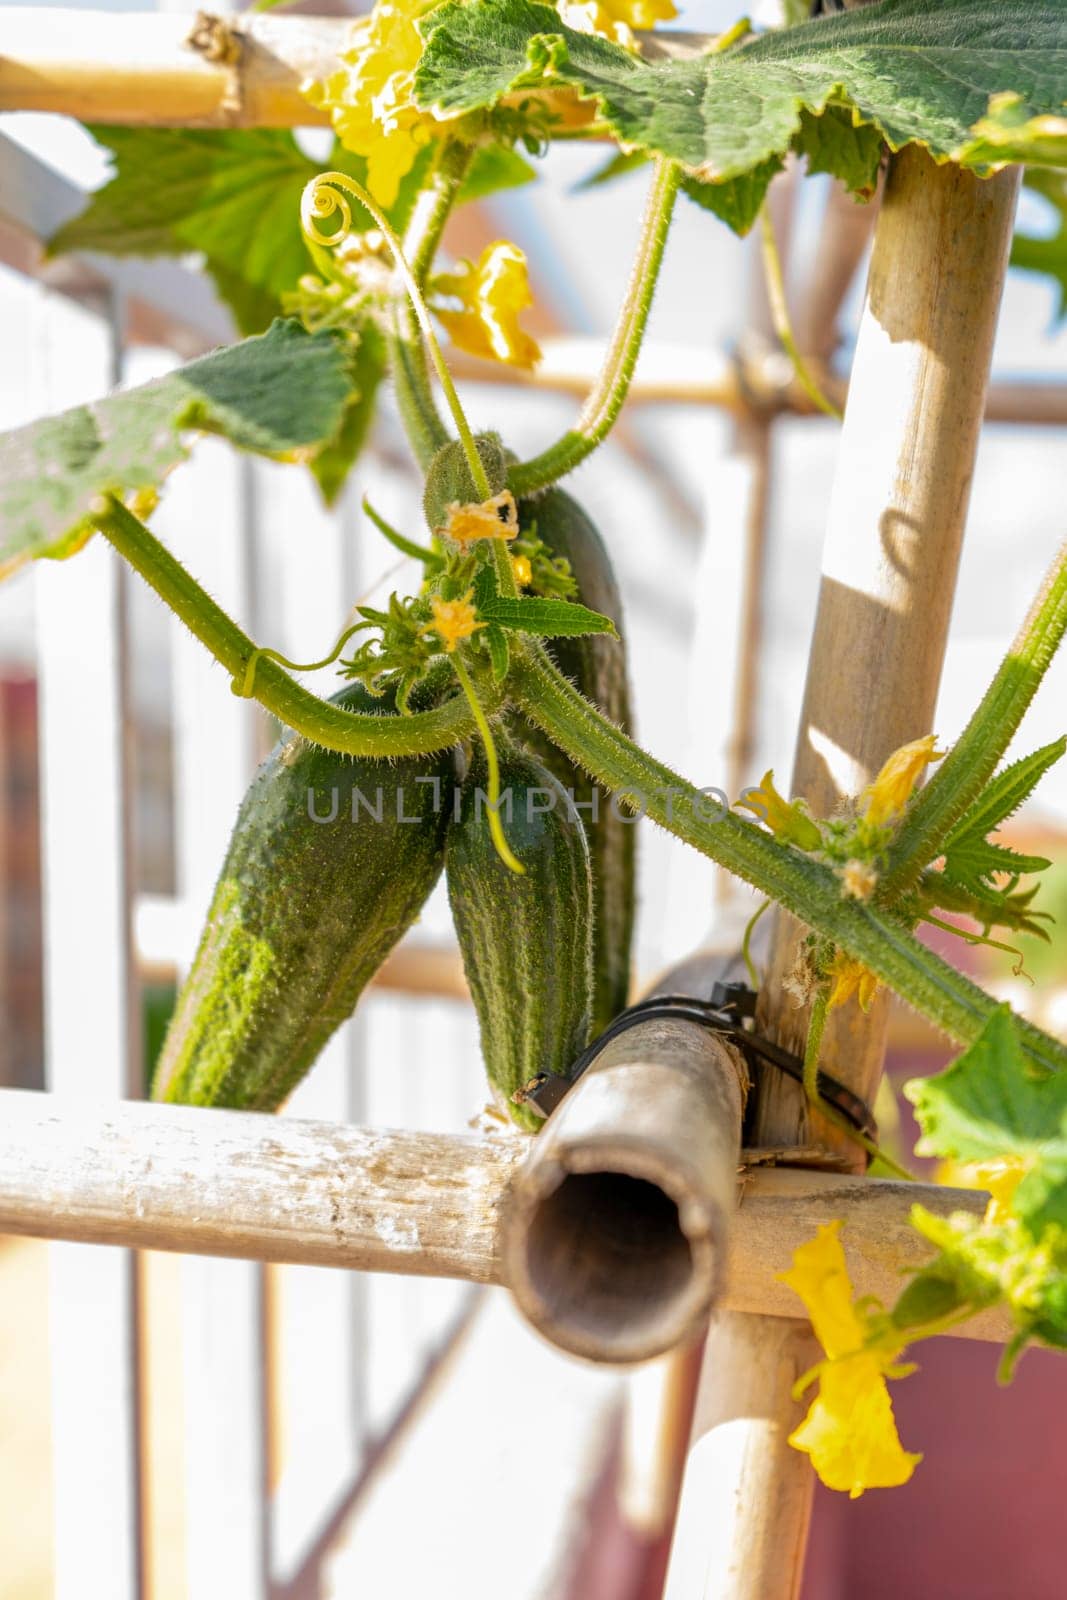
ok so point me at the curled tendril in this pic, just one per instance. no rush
(243, 687)
(328, 196)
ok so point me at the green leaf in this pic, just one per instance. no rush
(1004, 794)
(736, 203)
(494, 167)
(331, 465)
(990, 1104)
(281, 392)
(974, 863)
(913, 71)
(551, 619)
(836, 144)
(499, 651)
(232, 194)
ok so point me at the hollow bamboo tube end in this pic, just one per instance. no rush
(615, 1229)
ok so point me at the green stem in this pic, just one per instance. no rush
(355, 733)
(807, 888)
(411, 374)
(779, 306)
(496, 828)
(606, 398)
(324, 196)
(813, 1044)
(974, 757)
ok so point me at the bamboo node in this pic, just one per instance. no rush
(220, 41)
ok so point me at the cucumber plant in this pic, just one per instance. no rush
(509, 659)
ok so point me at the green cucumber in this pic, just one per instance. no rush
(304, 913)
(597, 664)
(525, 938)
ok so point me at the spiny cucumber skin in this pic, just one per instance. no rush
(303, 915)
(597, 665)
(525, 939)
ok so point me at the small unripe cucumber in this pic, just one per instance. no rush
(597, 664)
(525, 939)
(304, 913)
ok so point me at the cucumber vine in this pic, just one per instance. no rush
(429, 103)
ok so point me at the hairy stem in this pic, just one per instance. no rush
(808, 889)
(422, 421)
(355, 733)
(974, 757)
(606, 398)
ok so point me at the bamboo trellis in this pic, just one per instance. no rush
(158, 1177)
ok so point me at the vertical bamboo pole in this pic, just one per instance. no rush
(892, 549)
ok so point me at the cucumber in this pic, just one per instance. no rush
(304, 913)
(597, 664)
(525, 939)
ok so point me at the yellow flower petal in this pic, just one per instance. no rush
(520, 566)
(891, 790)
(466, 523)
(453, 620)
(850, 1432)
(819, 1275)
(492, 294)
(848, 978)
(615, 19)
(1000, 1176)
(786, 818)
(858, 880)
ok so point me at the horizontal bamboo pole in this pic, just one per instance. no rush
(233, 1183)
(165, 69)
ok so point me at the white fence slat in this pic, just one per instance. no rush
(315, 1381)
(82, 666)
(204, 518)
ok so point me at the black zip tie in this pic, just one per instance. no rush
(724, 1013)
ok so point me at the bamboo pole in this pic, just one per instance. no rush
(895, 530)
(616, 1226)
(165, 69)
(260, 1188)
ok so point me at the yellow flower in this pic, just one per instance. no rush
(520, 566)
(453, 620)
(858, 880)
(466, 523)
(850, 978)
(849, 1431)
(786, 818)
(370, 98)
(891, 790)
(492, 293)
(1000, 1176)
(615, 19)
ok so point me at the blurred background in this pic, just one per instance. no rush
(175, 1427)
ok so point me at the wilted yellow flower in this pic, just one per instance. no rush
(850, 978)
(492, 293)
(520, 566)
(615, 19)
(453, 620)
(786, 818)
(858, 880)
(370, 97)
(466, 523)
(1000, 1176)
(891, 790)
(849, 1431)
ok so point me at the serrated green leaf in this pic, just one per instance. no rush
(331, 465)
(835, 144)
(281, 392)
(232, 194)
(550, 619)
(914, 72)
(989, 1105)
(737, 201)
(974, 863)
(1004, 794)
(495, 167)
